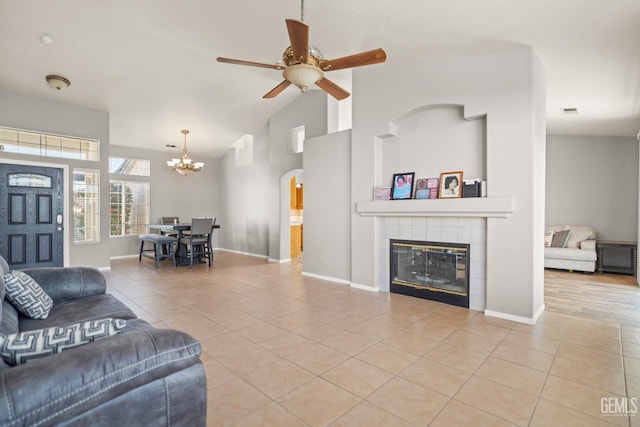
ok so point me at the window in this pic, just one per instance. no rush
(40, 144)
(29, 180)
(122, 166)
(244, 150)
(86, 206)
(129, 207)
(296, 139)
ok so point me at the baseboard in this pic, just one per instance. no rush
(124, 256)
(519, 319)
(365, 287)
(241, 253)
(214, 249)
(327, 278)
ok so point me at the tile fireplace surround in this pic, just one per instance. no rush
(472, 231)
(452, 221)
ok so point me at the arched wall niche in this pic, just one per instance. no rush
(432, 139)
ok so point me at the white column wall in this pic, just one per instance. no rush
(500, 85)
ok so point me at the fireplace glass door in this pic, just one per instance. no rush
(431, 270)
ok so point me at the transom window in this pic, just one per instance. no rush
(49, 145)
(126, 166)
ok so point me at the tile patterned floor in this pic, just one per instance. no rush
(281, 349)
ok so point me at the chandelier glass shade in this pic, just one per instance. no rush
(185, 165)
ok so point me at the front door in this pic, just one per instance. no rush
(31, 208)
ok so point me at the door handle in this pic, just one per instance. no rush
(59, 219)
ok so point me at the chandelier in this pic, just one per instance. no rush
(185, 165)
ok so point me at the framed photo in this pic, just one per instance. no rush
(402, 186)
(422, 189)
(450, 185)
(433, 184)
(381, 193)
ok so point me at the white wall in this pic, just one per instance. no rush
(327, 236)
(28, 113)
(171, 194)
(195, 195)
(245, 194)
(593, 180)
(509, 88)
(433, 140)
(308, 110)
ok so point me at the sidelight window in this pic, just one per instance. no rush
(86, 206)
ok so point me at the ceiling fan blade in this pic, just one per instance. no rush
(250, 63)
(333, 89)
(299, 36)
(364, 58)
(276, 90)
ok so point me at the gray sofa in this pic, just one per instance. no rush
(142, 376)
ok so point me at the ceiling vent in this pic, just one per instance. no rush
(572, 111)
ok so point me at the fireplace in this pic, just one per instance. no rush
(431, 270)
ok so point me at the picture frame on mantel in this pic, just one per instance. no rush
(422, 191)
(382, 193)
(402, 186)
(451, 185)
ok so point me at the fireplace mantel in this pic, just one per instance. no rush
(488, 207)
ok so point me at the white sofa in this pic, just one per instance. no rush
(577, 252)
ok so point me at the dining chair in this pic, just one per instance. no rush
(198, 243)
(168, 220)
(215, 220)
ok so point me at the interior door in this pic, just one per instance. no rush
(31, 208)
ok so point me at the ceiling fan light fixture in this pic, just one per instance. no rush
(303, 75)
(304, 65)
(57, 82)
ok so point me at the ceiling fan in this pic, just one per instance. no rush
(303, 64)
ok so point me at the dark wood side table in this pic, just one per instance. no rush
(608, 246)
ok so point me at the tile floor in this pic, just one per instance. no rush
(281, 349)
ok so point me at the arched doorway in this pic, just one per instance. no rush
(290, 213)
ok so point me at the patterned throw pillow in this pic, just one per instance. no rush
(26, 295)
(22, 347)
(548, 238)
(560, 239)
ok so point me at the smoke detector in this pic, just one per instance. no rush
(46, 39)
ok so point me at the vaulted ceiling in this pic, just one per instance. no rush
(152, 63)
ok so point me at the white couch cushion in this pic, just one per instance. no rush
(570, 253)
(548, 238)
(578, 234)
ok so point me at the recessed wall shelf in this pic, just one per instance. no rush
(488, 207)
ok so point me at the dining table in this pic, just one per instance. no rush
(181, 253)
